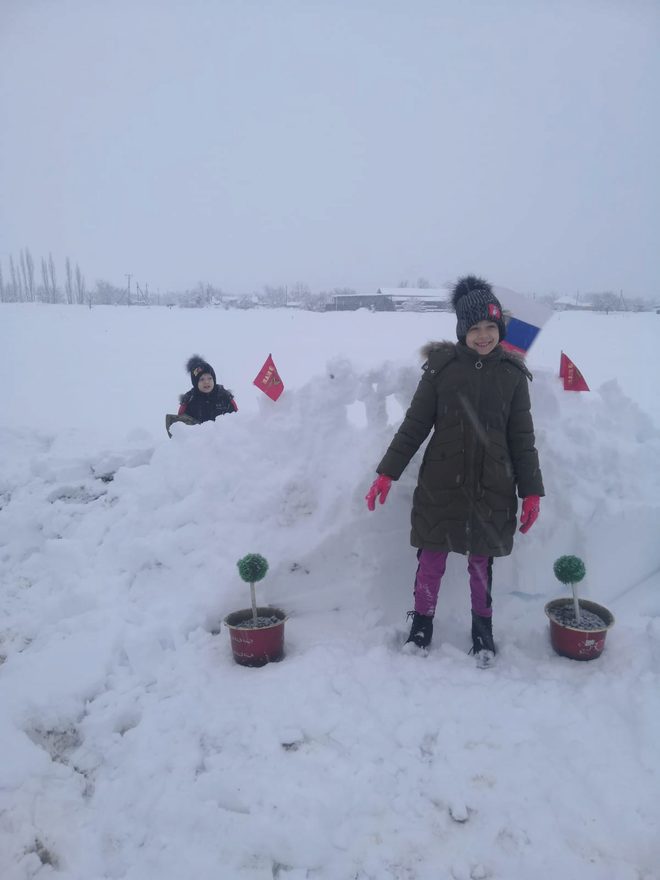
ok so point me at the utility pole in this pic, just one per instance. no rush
(128, 289)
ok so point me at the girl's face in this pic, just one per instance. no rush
(206, 383)
(482, 337)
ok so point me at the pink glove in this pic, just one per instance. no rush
(380, 486)
(530, 511)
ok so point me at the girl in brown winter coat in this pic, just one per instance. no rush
(474, 395)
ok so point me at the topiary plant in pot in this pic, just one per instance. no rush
(578, 627)
(257, 633)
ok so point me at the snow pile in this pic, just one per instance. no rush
(134, 747)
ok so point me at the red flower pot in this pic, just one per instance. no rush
(573, 641)
(256, 646)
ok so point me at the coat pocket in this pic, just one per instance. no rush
(444, 465)
(497, 473)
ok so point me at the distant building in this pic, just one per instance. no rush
(417, 299)
(224, 300)
(350, 302)
(392, 299)
(571, 304)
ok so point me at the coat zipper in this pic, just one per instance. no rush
(479, 451)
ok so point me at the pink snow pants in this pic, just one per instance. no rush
(431, 567)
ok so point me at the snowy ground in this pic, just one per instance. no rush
(132, 745)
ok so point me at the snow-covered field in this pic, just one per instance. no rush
(132, 745)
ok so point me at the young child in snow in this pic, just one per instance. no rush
(474, 395)
(206, 400)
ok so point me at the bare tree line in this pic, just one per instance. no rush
(298, 295)
(22, 284)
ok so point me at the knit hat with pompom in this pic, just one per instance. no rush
(473, 300)
(197, 366)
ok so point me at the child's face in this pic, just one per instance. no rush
(482, 337)
(206, 383)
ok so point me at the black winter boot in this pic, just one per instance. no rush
(421, 631)
(483, 646)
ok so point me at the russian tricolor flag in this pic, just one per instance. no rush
(524, 318)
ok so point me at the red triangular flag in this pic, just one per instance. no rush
(573, 378)
(268, 379)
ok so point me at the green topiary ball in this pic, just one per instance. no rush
(252, 568)
(569, 569)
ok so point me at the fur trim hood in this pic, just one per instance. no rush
(430, 347)
(449, 349)
(219, 391)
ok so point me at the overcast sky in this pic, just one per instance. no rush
(336, 142)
